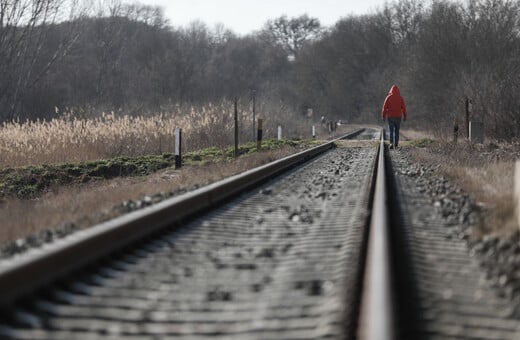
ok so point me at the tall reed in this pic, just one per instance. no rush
(73, 139)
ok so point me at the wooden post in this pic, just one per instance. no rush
(254, 114)
(259, 135)
(517, 191)
(279, 132)
(467, 117)
(313, 131)
(178, 148)
(455, 129)
(236, 127)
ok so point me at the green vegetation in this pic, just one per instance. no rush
(29, 182)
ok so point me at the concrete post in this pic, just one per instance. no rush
(178, 148)
(279, 132)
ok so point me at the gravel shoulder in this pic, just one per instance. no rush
(465, 286)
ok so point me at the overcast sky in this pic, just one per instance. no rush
(246, 16)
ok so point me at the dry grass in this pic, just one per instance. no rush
(92, 203)
(410, 134)
(69, 139)
(486, 171)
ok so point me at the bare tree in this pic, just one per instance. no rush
(24, 27)
(407, 16)
(292, 34)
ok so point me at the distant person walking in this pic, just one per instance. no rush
(394, 109)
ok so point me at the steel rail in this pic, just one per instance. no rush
(21, 276)
(376, 317)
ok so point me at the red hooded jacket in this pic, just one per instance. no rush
(394, 106)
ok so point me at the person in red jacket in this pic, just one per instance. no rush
(394, 109)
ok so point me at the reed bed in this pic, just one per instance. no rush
(71, 139)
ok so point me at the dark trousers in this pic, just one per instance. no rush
(393, 127)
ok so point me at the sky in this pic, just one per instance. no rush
(246, 16)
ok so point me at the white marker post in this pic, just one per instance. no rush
(314, 131)
(178, 140)
(279, 132)
(517, 191)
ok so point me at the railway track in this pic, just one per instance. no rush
(257, 257)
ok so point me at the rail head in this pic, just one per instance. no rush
(376, 319)
(20, 276)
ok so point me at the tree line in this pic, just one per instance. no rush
(129, 58)
(440, 53)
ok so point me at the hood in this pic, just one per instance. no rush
(394, 90)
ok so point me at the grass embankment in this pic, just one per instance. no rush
(31, 181)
